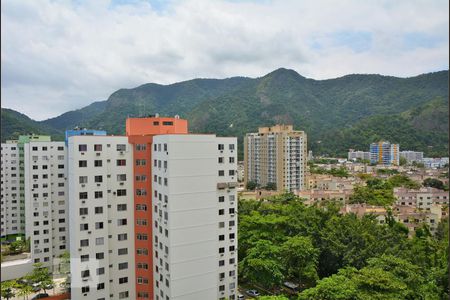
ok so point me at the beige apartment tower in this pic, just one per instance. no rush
(276, 155)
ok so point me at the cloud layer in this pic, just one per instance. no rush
(63, 55)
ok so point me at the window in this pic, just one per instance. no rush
(231, 248)
(142, 236)
(165, 181)
(142, 266)
(221, 212)
(84, 258)
(98, 209)
(231, 172)
(232, 273)
(121, 147)
(121, 192)
(141, 147)
(98, 225)
(232, 260)
(100, 255)
(221, 198)
(221, 224)
(123, 280)
(121, 207)
(141, 207)
(231, 160)
(123, 295)
(231, 197)
(85, 289)
(220, 160)
(122, 237)
(100, 286)
(141, 192)
(221, 237)
(82, 163)
(99, 241)
(84, 243)
(98, 194)
(221, 250)
(142, 280)
(141, 178)
(84, 227)
(142, 251)
(141, 162)
(59, 167)
(221, 173)
(97, 147)
(83, 195)
(98, 163)
(121, 162)
(123, 266)
(231, 146)
(98, 178)
(83, 211)
(35, 148)
(100, 271)
(231, 236)
(167, 123)
(121, 177)
(122, 251)
(221, 288)
(221, 147)
(60, 148)
(231, 210)
(221, 263)
(141, 222)
(82, 147)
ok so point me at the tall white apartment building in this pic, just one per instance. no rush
(354, 155)
(101, 217)
(195, 220)
(276, 156)
(46, 206)
(412, 156)
(12, 213)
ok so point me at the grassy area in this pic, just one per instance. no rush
(12, 237)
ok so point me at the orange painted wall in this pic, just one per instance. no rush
(141, 131)
(153, 126)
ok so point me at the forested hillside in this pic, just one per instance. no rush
(337, 114)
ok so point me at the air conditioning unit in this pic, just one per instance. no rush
(83, 202)
(98, 154)
(89, 232)
(121, 183)
(83, 185)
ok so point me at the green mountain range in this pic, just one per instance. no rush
(347, 112)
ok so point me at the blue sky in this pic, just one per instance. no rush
(63, 55)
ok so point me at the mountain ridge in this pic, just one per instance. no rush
(236, 105)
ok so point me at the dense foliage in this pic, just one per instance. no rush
(335, 256)
(359, 109)
(379, 191)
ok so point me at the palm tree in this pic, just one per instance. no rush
(8, 289)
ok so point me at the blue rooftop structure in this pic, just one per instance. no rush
(85, 131)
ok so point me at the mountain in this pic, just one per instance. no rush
(15, 124)
(337, 114)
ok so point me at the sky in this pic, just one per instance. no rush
(62, 55)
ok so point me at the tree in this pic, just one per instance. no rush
(279, 297)
(271, 186)
(402, 161)
(17, 247)
(41, 276)
(251, 185)
(24, 289)
(434, 183)
(262, 265)
(64, 266)
(300, 258)
(8, 289)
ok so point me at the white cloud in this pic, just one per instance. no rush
(62, 55)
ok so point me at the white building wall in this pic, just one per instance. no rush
(105, 252)
(188, 217)
(12, 216)
(46, 206)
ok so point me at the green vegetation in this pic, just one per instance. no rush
(360, 109)
(435, 183)
(340, 172)
(334, 256)
(251, 185)
(379, 191)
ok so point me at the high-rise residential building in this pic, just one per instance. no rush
(140, 132)
(194, 217)
(355, 155)
(46, 205)
(276, 156)
(412, 156)
(12, 213)
(385, 153)
(101, 217)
